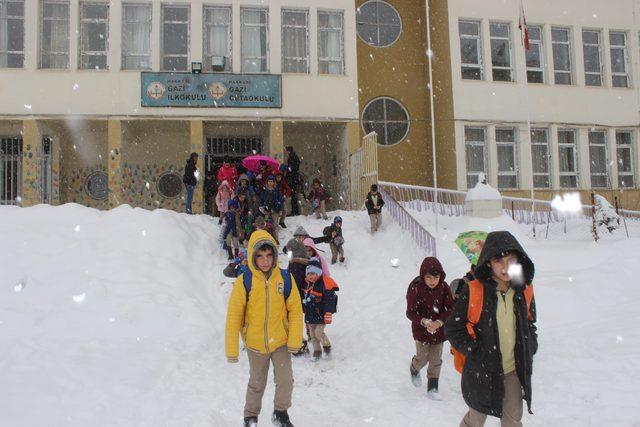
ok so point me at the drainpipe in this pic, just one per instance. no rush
(433, 124)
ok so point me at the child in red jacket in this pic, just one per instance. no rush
(429, 304)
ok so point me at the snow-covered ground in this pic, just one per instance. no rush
(117, 319)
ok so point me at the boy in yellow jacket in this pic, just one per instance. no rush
(271, 327)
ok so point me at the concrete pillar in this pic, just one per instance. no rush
(114, 137)
(353, 136)
(30, 181)
(276, 140)
(196, 139)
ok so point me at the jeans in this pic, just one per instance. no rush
(190, 189)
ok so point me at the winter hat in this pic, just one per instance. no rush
(233, 203)
(337, 219)
(260, 222)
(271, 178)
(283, 168)
(314, 267)
(300, 231)
(432, 265)
(374, 187)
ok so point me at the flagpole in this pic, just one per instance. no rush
(523, 25)
(433, 123)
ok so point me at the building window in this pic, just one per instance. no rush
(217, 36)
(295, 41)
(54, 34)
(598, 158)
(175, 38)
(540, 158)
(378, 23)
(619, 59)
(330, 42)
(94, 35)
(507, 160)
(500, 34)
(624, 149)
(475, 141)
(568, 158)
(561, 44)
(535, 55)
(470, 50)
(592, 58)
(10, 171)
(136, 36)
(11, 34)
(388, 118)
(255, 40)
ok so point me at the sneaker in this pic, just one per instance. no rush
(281, 419)
(432, 389)
(342, 260)
(282, 224)
(416, 380)
(317, 355)
(333, 261)
(250, 421)
(434, 395)
(327, 349)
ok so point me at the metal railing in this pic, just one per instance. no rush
(420, 235)
(10, 171)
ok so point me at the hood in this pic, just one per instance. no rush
(224, 183)
(432, 265)
(498, 242)
(244, 177)
(325, 268)
(258, 239)
(300, 231)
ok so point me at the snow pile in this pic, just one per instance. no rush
(483, 191)
(605, 214)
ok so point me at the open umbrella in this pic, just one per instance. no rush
(252, 163)
(471, 243)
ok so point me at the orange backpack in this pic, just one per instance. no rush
(476, 298)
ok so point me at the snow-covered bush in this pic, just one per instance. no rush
(605, 214)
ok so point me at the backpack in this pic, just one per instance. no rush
(476, 299)
(247, 277)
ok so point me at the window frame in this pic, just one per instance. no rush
(41, 21)
(631, 147)
(478, 39)
(124, 55)
(163, 7)
(384, 120)
(507, 39)
(264, 10)
(543, 63)
(549, 165)
(514, 144)
(625, 53)
(379, 25)
(206, 48)
(574, 147)
(600, 74)
(306, 59)
(5, 17)
(485, 152)
(81, 22)
(603, 146)
(569, 45)
(330, 60)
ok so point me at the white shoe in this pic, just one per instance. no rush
(434, 395)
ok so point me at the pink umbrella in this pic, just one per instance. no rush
(252, 163)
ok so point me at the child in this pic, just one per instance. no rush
(271, 202)
(285, 192)
(222, 199)
(243, 214)
(233, 229)
(298, 261)
(320, 302)
(270, 322)
(235, 267)
(333, 235)
(374, 204)
(244, 184)
(228, 172)
(429, 304)
(319, 198)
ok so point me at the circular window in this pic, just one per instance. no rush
(378, 23)
(170, 185)
(97, 185)
(388, 118)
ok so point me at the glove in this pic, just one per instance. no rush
(327, 318)
(425, 322)
(232, 359)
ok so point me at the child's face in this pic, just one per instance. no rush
(309, 252)
(270, 184)
(300, 238)
(316, 185)
(312, 277)
(264, 259)
(339, 224)
(241, 197)
(432, 279)
(500, 266)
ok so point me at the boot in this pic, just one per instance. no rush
(229, 253)
(333, 261)
(250, 421)
(303, 350)
(415, 377)
(281, 419)
(282, 224)
(317, 354)
(342, 259)
(327, 350)
(432, 389)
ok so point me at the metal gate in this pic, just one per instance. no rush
(45, 170)
(10, 171)
(236, 148)
(364, 170)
